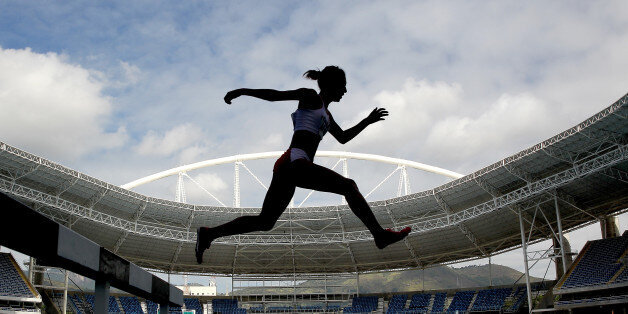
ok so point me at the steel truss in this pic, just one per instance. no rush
(550, 183)
(555, 253)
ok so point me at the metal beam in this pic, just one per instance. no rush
(524, 247)
(443, 205)
(616, 174)
(507, 200)
(405, 240)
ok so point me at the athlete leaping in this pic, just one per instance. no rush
(295, 168)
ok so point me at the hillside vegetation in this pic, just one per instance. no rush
(438, 278)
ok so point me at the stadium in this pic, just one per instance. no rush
(115, 236)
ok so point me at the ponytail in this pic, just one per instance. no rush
(312, 74)
(330, 76)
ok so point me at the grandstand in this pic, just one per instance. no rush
(504, 300)
(491, 300)
(568, 181)
(130, 304)
(596, 278)
(16, 292)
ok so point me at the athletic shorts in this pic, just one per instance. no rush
(289, 156)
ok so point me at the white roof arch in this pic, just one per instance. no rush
(276, 154)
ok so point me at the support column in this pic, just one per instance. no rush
(568, 258)
(524, 247)
(423, 281)
(326, 297)
(65, 293)
(608, 224)
(31, 265)
(490, 272)
(101, 298)
(294, 289)
(357, 284)
(38, 273)
(560, 233)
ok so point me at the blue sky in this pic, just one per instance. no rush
(120, 89)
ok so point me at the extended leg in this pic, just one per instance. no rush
(311, 176)
(277, 199)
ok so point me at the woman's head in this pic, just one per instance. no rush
(331, 80)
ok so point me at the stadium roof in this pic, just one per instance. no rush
(584, 170)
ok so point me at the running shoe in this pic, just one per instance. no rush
(389, 237)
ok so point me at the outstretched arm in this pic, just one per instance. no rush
(267, 94)
(343, 136)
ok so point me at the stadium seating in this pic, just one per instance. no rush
(362, 305)
(90, 303)
(193, 304)
(279, 309)
(175, 310)
(333, 308)
(76, 304)
(598, 264)
(57, 299)
(11, 283)
(397, 303)
(519, 297)
(113, 305)
(151, 307)
(490, 299)
(623, 276)
(461, 302)
(131, 305)
(226, 306)
(439, 302)
(309, 308)
(420, 302)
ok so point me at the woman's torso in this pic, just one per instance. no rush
(310, 125)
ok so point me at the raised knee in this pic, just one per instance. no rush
(350, 186)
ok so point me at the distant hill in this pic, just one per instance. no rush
(438, 278)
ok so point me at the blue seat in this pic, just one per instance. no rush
(131, 305)
(491, 299)
(362, 305)
(193, 304)
(439, 302)
(397, 303)
(598, 264)
(11, 283)
(460, 302)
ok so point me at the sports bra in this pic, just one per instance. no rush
(312, 120)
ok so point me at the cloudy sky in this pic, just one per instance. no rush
(123, 89)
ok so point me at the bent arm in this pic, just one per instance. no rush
(344, 136)
(266, 94)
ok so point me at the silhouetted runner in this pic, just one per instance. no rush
(295, 167)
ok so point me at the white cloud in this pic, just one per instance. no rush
(172, 141)
(208, 182)
(52, 107)
(131, 72)
(510, 121)
(414, 108)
